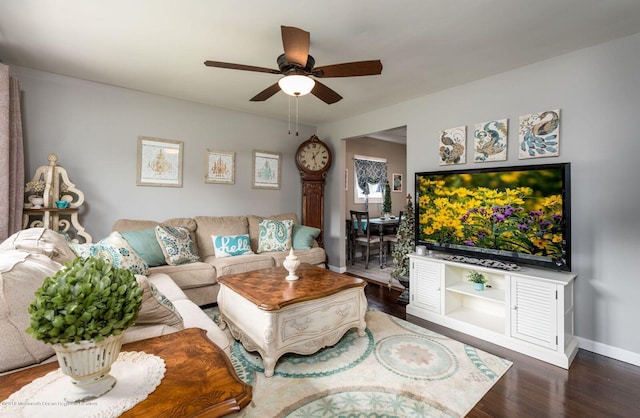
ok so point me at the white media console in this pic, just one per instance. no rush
(529, 310)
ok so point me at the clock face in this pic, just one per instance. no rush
(313, 156)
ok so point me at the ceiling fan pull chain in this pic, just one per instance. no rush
(297, 98)
(289, 115)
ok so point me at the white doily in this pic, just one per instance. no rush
(137, 373)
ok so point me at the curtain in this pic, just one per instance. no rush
(370, 172)
(11, 155)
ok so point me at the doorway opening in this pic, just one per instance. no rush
(390, 147)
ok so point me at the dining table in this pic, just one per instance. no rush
(382, 224)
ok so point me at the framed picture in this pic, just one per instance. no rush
(266, 170)
(453, 145)
(159, 162)
(396, 185)
(220, 167)
(539, 135)
(490, 141)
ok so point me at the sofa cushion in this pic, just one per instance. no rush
(21, 274)
(41, 241)
(117, 251)
(254, 223)
(274, 235)
(156, 307)
(145, 242)
(137, 224)
(218, 225)
(188, 276)
(304, 236)
(231, 245)
(315, 255)
(240, 264)
(177, 245)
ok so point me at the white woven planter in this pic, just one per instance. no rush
(88, 364)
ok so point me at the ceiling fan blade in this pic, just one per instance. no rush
(296, 45)
(349, 69)
(325, 94)
(231, 66)
(266, 93)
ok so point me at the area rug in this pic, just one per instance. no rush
(397, 370)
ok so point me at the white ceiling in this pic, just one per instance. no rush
(159, 46)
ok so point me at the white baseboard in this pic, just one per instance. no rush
(337, 269)
(609, 351)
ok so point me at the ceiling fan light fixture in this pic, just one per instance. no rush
(296, 85)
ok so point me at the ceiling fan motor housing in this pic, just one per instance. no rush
(292, 67)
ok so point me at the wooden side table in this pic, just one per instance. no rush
(199, 380)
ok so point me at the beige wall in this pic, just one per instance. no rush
(396, 163)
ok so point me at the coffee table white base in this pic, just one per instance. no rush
(302, 328)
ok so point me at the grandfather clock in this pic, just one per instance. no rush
(313, 159)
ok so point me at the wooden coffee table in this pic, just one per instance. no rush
(273, 316)
(199, 380)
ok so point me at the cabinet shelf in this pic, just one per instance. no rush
(479, 319)
(490, 294)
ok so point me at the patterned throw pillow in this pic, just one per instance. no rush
(274, 235)
(156, 307)
(117, 251)
(177, 245)
(231, 245)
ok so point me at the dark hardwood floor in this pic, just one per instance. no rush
(594, 386)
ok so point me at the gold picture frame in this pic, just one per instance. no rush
(159, 162)
(266, 170)
(220, 167)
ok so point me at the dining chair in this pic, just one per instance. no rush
(392, 239)
(361, 236)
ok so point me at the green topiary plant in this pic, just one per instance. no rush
(88, 299)
(406, 242)
(386, 202)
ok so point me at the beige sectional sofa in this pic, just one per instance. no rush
(30, 255)
(198, 279)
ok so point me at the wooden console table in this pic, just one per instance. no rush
(199, 380)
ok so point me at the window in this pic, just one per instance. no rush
(369, 173)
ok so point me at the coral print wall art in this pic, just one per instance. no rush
(490, 141)
(453, 145)
(159, 162)
(540, 134)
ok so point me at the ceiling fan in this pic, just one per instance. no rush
(297, 67)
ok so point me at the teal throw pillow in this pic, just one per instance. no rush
(303, 236)
(274, 235)
(177, 245)
(231, 245)
(146, 244)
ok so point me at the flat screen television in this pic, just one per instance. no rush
(519, 214)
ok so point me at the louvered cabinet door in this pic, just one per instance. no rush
(534, 312)
(425, 285)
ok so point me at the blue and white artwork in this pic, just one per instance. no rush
(490, 141)
(453, 146)
(540, 134)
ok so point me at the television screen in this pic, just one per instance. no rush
(515, 214)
